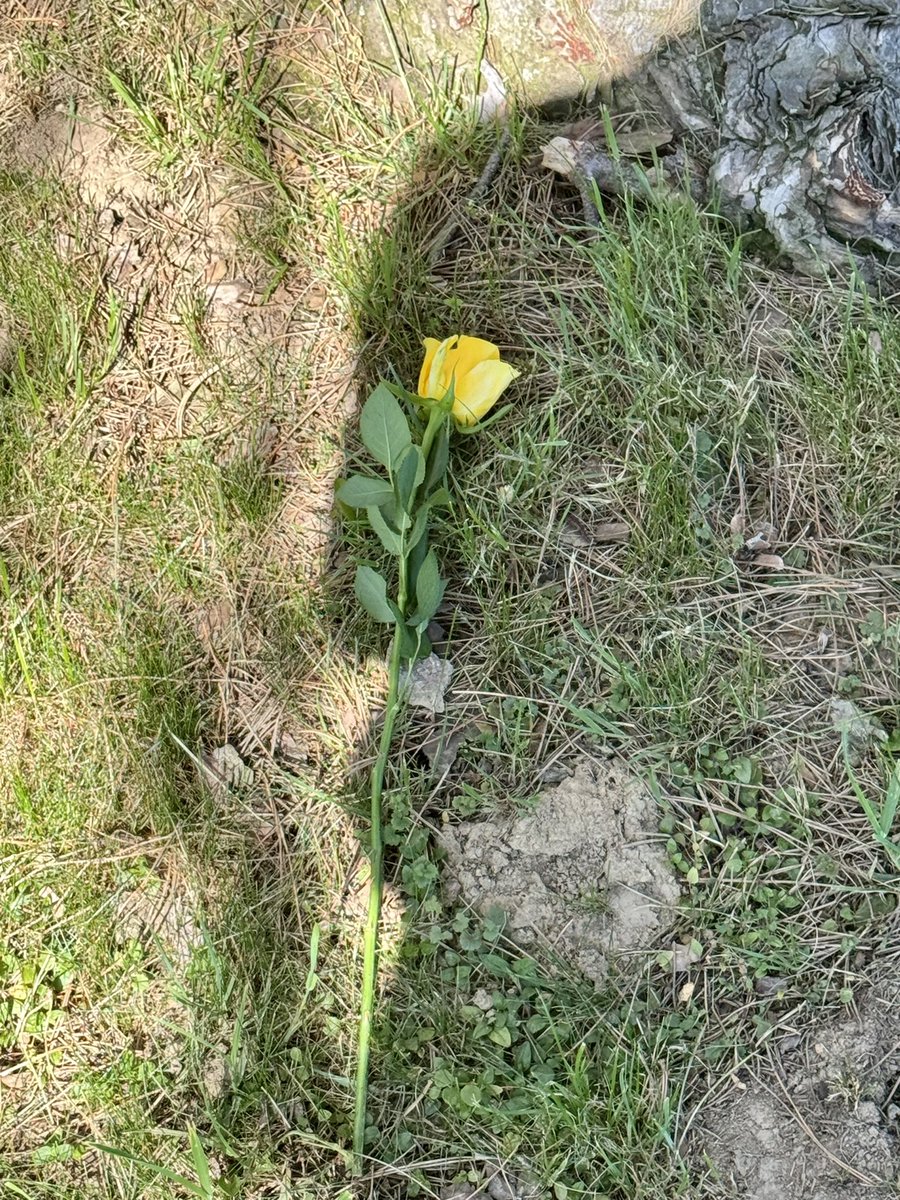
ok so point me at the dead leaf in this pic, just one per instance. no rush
(561, 155)
(232, 291)
(686, 992)
(442, 747)
(770, 985)
(612, 531)
(214, 623)
(427, 682)
(491, 102)
(632, 143)
(861, 730)
(684, 956)
(578, 534)
(315, 297)
(575, 533)
(226, 769)
(215, 271)
(643, 141)
(765, 535)
(771, 562)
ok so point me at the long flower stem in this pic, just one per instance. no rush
(376, 887)
(436, 418)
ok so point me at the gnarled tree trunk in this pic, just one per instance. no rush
(798, 105)
(794, 105)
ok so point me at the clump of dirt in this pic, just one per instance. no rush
(583, 874)
(83, 149)
(827, 1127)
(158, 911)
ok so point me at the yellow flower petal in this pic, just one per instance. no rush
(431, 348)
(468, 353)
(438, 378)
(479, 389)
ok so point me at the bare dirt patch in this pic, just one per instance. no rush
(583, 875)
(826, 1124)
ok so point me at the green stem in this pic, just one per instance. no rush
(376, 885)
(436, 419)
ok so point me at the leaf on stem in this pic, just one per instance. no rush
(438, 458)
(409, 473)
(384, 428)
(429, 591)
(362, 491)
(371, 592)
(420, 525)
(389, 537)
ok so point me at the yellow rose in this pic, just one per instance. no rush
(472, 367)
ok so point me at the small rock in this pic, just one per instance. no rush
(770, 985)
(868, 1112)
(461, 1191)
(483, 1000)
(232, 291)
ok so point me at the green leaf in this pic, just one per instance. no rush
(361, 491)
(390, 538)
(438, 457)
(414, 644)
(384, 428)
(417, 554)
(420, 525)
(371, 592)
(429, 590)
(441, 496)
(201, 1162)
(409, 473)
(438, 499)
(395, 516)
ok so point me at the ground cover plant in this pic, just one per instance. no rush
(675, 553)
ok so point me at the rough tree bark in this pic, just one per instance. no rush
(793, 104)
(798, 106)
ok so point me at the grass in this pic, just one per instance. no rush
(180, 954)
